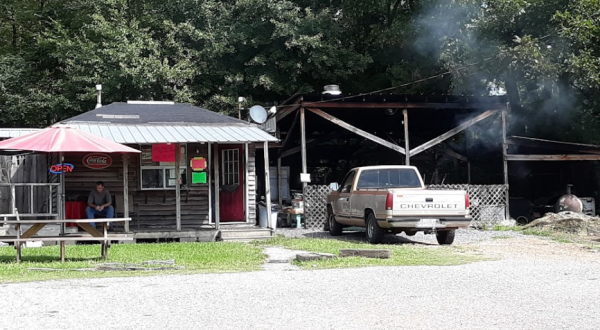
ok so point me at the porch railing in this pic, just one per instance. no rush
(35, 199)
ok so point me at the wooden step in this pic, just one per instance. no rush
(245, 234)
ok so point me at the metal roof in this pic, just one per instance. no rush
(142, 134)
(7, 133)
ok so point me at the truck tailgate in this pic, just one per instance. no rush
(429, 203)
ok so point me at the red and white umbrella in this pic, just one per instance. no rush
(63, 139)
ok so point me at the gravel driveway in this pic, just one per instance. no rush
(533, 284)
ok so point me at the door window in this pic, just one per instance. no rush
(347, 184)
(231, 167)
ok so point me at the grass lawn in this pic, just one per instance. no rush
(402, 254)
(195, 257)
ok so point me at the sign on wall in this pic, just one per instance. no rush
(97, 161)
(198, 164)
(61, 168)
(163, 152)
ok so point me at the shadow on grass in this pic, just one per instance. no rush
(358, 236)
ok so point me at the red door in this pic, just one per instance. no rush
(231, 182)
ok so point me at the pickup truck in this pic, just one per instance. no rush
(394, 199)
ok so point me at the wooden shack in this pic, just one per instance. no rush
(195, 177)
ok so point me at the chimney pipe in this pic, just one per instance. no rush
(99, 101)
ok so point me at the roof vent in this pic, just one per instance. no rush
(151, 102)
(332, 90)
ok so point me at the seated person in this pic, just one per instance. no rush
(99, 202)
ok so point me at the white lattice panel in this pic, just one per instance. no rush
(315, 206)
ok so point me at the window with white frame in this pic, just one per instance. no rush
(161, 175)
(230, 161)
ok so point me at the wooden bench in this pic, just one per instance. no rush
(92, 233)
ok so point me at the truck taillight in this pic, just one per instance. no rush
(467, 201)
(389, 201)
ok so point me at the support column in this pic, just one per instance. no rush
(267, 184)
(217, 182)
(209, 181)
(280, 198)
(177, 186)
(469, 172)
(246, 194)
(126, 191)
(504, 159)
(303, 144)
(406, 144)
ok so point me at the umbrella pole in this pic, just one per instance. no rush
(61, 204)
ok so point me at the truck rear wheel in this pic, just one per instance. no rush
(374, 232)
(445, 237)
(335, 228)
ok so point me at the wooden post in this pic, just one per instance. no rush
(505, 161)
(217, 206)
(246, 206)
(177, 186)
(267, 184)
(126, 191)
(302, 144)
(62, 251)
(469, 172)
(406, 145)
(279, 197)
(13, 198)
(209, 180)
(61, 203)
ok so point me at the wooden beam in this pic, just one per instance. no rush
(302, 144)
(566, 157)
(406, 144)
(279, 197)
(246, 192)
(126, 191)
(217, 189)
(358, 131)
(451, 153)
(550, 145)
(177, 187)
(209, 180)
(405, 105)
(291, 152)
(289, 134)
(286, 111)
(505, 164)
(267, 186)
(452, 132)
(271, 145)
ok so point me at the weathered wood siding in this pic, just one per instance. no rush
(148, 208)
(156, 208)
(251, 182)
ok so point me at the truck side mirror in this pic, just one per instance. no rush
(334, 186)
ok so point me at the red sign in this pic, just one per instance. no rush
(198, 164)
(97, 161)
(163, 152)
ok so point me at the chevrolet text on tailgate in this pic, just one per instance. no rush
(393, 199)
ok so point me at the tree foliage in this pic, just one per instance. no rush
(544, 53)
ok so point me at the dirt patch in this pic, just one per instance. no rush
(568, 223)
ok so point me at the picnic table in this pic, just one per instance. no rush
(91, 233)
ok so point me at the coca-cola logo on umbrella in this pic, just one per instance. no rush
(97, 161)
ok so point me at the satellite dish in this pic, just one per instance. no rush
(258, 114)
